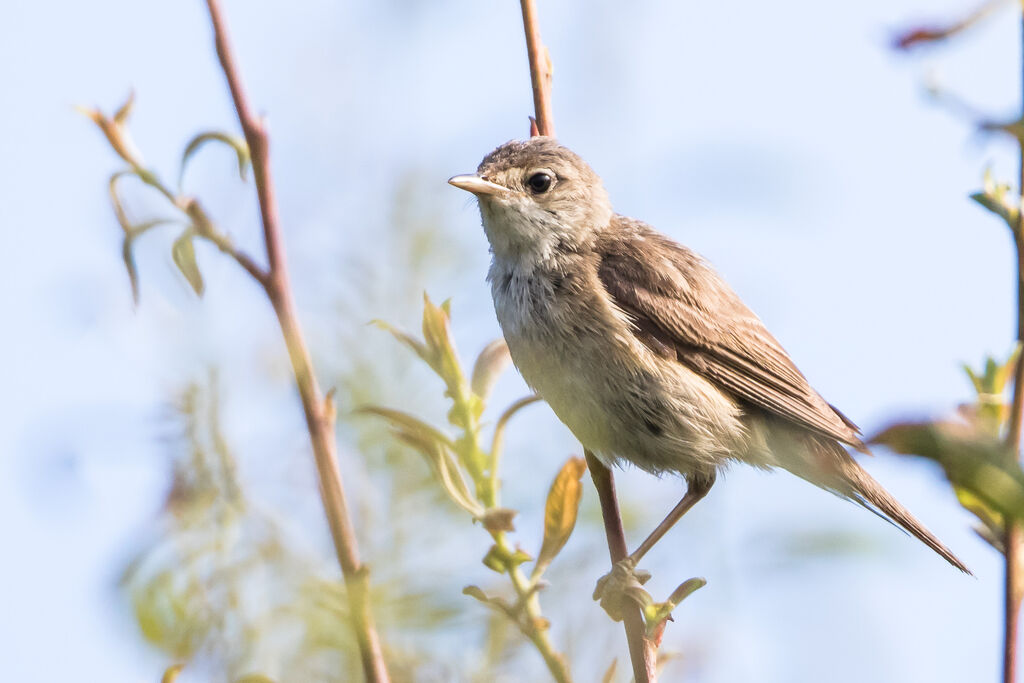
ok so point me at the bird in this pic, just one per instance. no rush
(641, 348)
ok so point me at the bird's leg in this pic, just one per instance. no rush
(697, 488)
(624, 583)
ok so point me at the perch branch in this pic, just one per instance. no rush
(641, 650)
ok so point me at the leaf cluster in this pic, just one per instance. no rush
(468, 472)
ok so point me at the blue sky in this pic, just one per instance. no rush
(784, 142)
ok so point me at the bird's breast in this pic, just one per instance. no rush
(619, 399)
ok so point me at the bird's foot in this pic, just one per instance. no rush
(622, 588)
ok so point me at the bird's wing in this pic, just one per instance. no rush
(681, 308)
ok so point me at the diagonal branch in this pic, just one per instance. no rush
(318, 412)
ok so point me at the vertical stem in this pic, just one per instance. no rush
(641, 650)
(540, 70)
(1014, 590)
(318, 421)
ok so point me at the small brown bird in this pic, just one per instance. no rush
(642, 350)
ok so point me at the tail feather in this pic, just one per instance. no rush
(870, 494)
(831, 467)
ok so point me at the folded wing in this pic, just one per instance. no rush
(681, 308)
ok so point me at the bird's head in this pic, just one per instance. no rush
(537, 198)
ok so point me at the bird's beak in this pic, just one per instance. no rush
(476, 185)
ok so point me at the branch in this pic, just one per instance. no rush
(641, 650)
(540, 70)
(1012, 543)
(204, 226)
(318, 420)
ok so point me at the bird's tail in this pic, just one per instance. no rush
(835, 470)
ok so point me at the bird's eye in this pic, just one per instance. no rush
(539, 183)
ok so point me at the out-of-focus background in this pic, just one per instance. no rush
(786, 142)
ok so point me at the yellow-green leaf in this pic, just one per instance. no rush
(233, 141)
(184, 254)
(412, 342)
(408, 423)
(488, 367)
(560, 511)
(974, 461)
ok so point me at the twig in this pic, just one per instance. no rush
(531, 626)
(319, 423)
(540, 70)
(201, 220)
(641, 651)
(1014, 590)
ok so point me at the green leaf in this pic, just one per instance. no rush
(233, 141)
(495, 560)
(501, 559)
(184, 254)
(407, 423)
(488, 367)
(561, 510)
(448, 473)
(412, 342)
(657, 612)
(979, 463)
(476, 592)
(497, 604)
(997, 198)
(128, 256)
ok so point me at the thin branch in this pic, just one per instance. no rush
(1014, 590)
(540, 70)
(205, 228)
(531, 627)
(641, 651)
(318, 421)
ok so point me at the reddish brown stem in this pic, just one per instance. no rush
(540, 70)
(1014, 581)
(642, 652)
(318, 421)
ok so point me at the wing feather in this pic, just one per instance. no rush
(680, 307)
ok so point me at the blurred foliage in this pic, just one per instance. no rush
(469, 473)
(919, 36)
(222, 588)
(974, 451)
(190, 216)
(982, 469)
